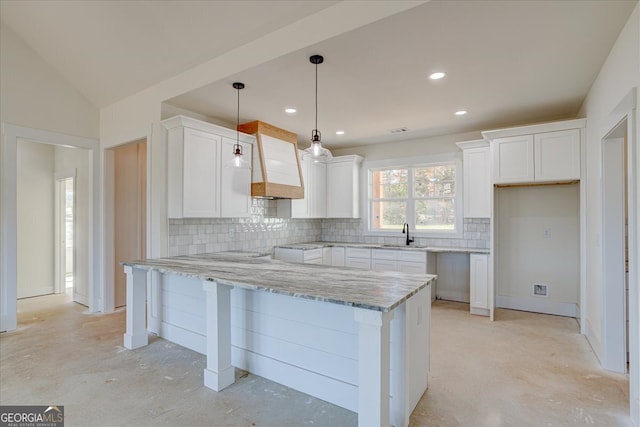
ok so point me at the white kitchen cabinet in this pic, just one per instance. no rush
(314, 203)
(300, 256)
(476, 167)
(557, 156)
(337, 256)
(196, 154)
(235, 199)
(479, 283)
(513, 159)
(358, 258)
(552, 156)
(343, 185)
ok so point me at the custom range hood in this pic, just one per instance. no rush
(276, 164)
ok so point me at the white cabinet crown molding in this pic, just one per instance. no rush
(491, 135)
(476, 143)
(189, 122)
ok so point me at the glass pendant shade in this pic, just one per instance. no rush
(316, 151)
(238, 160)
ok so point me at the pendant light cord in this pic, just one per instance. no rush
(316, 96)
(238, 119)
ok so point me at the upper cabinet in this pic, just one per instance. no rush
(343, 185)
(199, 184)
(314, 203)
(476, 175)
(536, 154)
(556, 155)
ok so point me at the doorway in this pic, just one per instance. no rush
(129, 211)
(87, 152)
(65, 220)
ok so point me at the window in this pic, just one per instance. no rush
(425, 196)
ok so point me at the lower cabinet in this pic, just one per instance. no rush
(479, 283)
(358, 258)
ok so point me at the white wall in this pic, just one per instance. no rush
(524, 255)
(35, 219)
(78, 160)
(619, 74)
(34, 94)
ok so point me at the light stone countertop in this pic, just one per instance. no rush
(319, 245)
(380, 291)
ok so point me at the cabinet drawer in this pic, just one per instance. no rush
(384, 254)
(310, 254)
(358, 253)
(413, 256)
(313, 261)
(362, 263)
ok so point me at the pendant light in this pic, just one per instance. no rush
(238, 160)
(316, 151)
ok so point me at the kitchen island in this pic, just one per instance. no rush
(358, 339)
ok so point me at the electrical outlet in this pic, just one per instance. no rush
(547, 233)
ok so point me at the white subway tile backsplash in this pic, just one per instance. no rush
(262, 231)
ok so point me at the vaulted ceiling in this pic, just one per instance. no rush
(506, 62)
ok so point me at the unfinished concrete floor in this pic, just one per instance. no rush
(522, 370)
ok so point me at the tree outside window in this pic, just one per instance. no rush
(423, 196)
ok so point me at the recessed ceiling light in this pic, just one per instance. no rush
(437, 76)
(290, 110)
(339, 132)
(461, 112)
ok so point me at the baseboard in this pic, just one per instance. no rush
(479, 311)
(36, 292)
(593, 340)
(537, 305)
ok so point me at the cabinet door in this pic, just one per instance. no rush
(513, 159)
(412, 267)
(317, 189)
(235, 183)
(364, 264)
(342, 190)
(384, 265)
(300, 207)
(201, 185)
(479, 283)
(337, 257)
(477, 182)
(557, 155)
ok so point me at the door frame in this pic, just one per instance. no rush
(614, 345)
(60, 251)
(627, 110)
(8, 216)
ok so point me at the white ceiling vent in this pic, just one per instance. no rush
(398, 130)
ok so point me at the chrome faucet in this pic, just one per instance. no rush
(405, 230)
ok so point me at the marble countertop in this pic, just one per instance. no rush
(380, 291)
(319, 245)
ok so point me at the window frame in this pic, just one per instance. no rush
(410, 164)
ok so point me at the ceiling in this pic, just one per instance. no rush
(507, 62)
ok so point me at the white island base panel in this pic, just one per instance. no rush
(325, 350)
